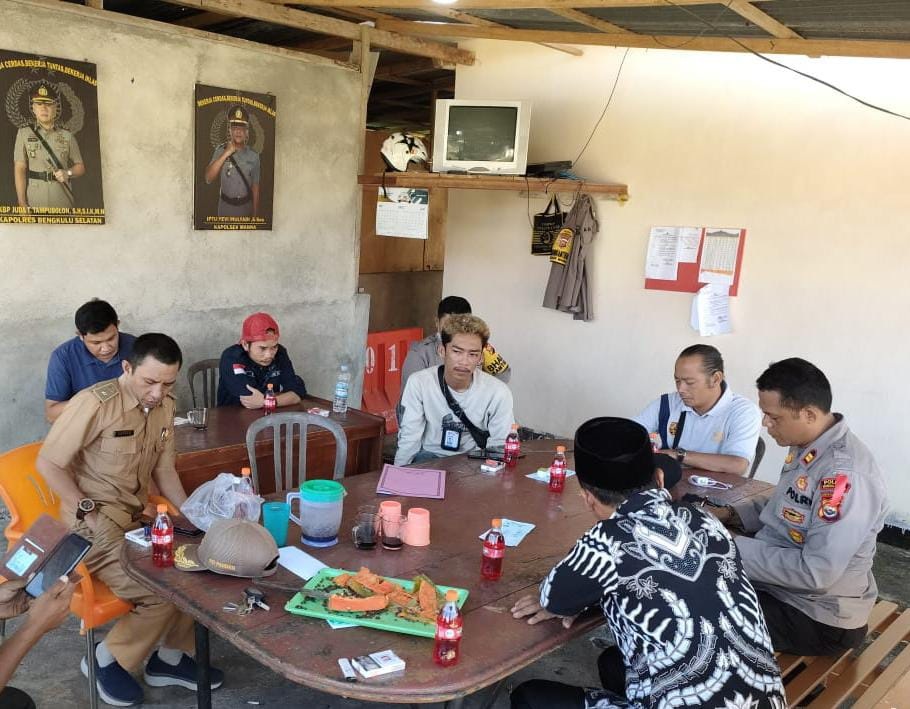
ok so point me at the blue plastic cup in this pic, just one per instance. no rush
(275, 518)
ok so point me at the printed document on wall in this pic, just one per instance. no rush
(718, 255)
(402, 211)
(662, 258)
(711, 310)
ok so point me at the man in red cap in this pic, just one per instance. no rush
(248, 367)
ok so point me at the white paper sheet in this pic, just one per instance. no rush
(687, 246)
(299, 562)
(662, 258)
(718, 256)
(404, 213)
(542, 475)
(513, 531)
(714, 310)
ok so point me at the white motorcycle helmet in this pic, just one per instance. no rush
(401, 148)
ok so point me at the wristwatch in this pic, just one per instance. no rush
(85, 506)
(681, 455)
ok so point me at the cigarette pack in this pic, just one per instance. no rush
(491, 466)
(137, 536)
(378, 663)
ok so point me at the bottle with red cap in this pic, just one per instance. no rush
(449, 625)
(270, 403)
(512, 449)
(162, 539)
(558, 470)
(494, 548)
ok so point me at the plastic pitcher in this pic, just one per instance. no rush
(320, 503)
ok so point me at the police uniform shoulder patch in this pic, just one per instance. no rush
(833, 491)
(105, 391)
(802, 482)
(809, 457)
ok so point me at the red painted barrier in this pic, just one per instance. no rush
(382, 373)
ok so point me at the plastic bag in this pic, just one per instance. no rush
(220, 498)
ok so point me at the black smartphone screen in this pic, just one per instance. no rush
(64, 559)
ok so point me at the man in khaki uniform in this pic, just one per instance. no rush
(45, 157)
(109, 443)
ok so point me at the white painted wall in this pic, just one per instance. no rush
(819, 181)
(159, 273)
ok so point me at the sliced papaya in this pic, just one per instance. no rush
(341, 580)
(349, 604)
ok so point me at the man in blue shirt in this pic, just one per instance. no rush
(93, 356)
(247, 368)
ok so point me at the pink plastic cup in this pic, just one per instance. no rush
(417, 529)
(389, 513)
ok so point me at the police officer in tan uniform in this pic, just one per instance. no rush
(238, 165)
(100, 456)
(815, 534)
(45, 157)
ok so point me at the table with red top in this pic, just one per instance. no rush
(202, 454)
(495, 645)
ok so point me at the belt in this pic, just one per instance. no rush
(43, 176)
(236, 201)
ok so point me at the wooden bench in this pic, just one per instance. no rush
(861, 676)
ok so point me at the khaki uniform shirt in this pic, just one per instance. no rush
(813, 548)
(28, 149)
(112, 447)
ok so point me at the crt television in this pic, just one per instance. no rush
(486, 137)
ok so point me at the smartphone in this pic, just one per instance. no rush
(496, 453)
(64, 559)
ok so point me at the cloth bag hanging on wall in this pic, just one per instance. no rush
(567, 287)
(546, 225)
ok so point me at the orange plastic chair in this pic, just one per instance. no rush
(27, 496)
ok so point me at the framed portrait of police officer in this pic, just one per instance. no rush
(235, 159)
(50, 172)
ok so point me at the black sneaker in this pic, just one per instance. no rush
(115, 685)
(158, 673)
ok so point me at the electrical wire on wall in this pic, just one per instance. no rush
(784, 66)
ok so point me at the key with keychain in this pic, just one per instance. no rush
(252, 598)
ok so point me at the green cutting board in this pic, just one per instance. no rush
(381, 620)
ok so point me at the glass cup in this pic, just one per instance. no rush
(365, 531)
(275, 518)
(392, 527)
(199, 418)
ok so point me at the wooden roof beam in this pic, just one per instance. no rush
(200, 20)
(582, 18)
(298, 19)
(430, 6)
(762, 19)
(810, 47)
(483, 22)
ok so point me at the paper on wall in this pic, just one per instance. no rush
(687, 246)
(662, 258)
(718, 256)
(711, 310)
(403, 212)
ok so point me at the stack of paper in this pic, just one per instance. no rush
(711, 310)
(412, 482)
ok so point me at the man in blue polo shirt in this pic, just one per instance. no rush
(93, 356)
(703, 423)
(247, 368)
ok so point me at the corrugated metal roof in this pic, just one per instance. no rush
(843, 19)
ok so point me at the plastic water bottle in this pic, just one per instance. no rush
(342, 387)
(512, 448)
(271, 401)
(494, 547)
(655, 441)
(162, 539)
(558, 470)
(245, 486)
(449, 627)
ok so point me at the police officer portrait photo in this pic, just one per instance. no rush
(235, 159)
(50, 172)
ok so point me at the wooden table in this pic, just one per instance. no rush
(495, 645)
(201, 455)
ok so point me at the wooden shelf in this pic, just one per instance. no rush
(515, 183)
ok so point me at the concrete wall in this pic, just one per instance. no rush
(819, 181)
(158, 272)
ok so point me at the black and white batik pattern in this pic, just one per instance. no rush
(673, 590)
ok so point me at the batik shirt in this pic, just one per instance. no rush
(673, 591)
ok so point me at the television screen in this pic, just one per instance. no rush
(485, 133)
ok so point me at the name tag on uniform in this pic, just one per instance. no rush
(451, 437)
(123, 434)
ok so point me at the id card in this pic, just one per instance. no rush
(451, 438)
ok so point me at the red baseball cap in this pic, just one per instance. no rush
(256, 327)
